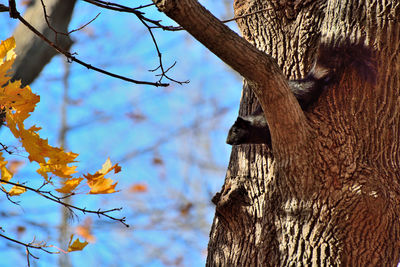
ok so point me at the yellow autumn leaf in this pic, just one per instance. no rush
(98, 183)
(5, 173)
(39, 150)
(6, 46)
(102, 186)
(18, 103)
(69, 185)
(16, 190)
(76, 245)
(106, 167)
(7, 57)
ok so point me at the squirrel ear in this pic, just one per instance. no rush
(241, 121)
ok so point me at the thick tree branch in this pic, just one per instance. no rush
(285, 117)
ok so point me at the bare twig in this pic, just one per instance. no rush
(161, 66)
(15, 14)
(5, 148)
(40, 246)
(83, 26)
(121, 8)
(50, 196)
(46, 17)
(144, 20)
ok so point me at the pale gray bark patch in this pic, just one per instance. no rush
(32, 52)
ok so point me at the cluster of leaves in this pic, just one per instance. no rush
(16, 104)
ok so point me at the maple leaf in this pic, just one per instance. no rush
(98, 183)
(18, 103)
(69, 185)
(6, 46)
(76, 245)
(7, 57)
(16, 190)
(5, 173)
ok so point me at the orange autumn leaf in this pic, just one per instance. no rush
(85, 230)
(76, 245)
(16, 190)
(98, 183)
(15, 165)
(69, 185)
(138, 188)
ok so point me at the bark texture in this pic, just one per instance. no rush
(33, 53)
(328, 192)
(349, 215)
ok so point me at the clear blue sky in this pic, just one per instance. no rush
(188, 122)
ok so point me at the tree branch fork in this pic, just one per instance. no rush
(286, 120)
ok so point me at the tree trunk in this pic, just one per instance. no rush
(348, 213)
(328, 192)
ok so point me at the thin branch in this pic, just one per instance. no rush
(161, 66)
(121, 8)
(46, 17)
(83, 26)
(144, 21)
(3, 8)
(8, 196)
(143, 6)
(29, 245)
(15, 14)
(48, 195)
(5, 148)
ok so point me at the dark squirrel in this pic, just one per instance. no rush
(329, 65)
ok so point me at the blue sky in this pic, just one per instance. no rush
(188, 122)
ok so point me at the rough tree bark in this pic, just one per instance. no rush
(328, 193)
